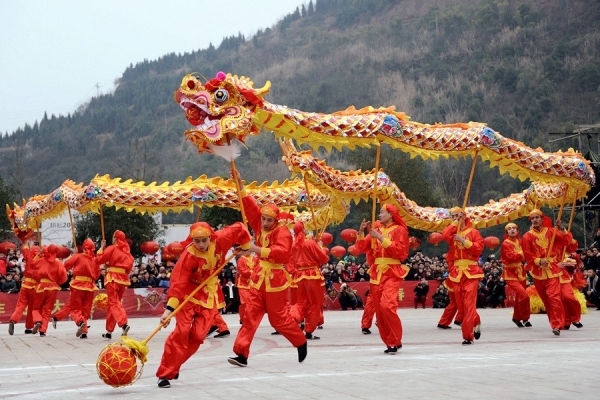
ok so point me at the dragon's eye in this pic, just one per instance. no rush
(221, 95)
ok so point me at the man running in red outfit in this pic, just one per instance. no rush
(511, 255)
(245, 268)
(465, 248)
(85, 273)
(28, 290)
(389, 243)
(270, 281)
(570, 303)
(119, 262)
(306, 260)
(205, 251)
(542, 265)
(51, 274)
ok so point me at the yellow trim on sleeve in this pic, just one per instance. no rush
(264, 252)
(468, 244)
(173, 302)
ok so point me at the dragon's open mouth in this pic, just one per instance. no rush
(198, 115)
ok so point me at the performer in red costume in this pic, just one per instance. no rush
(465, 248)
(28, 290)
(511, 255)
(570, 303)
(85, 273)
(542, 265)
(269, 282)
(119, 262)
(245, 268)
(306, 261)
(205, 251)
(389, 244)
(369, 310)
(451, 311)
(51, 274)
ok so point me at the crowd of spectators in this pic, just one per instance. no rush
(491, 293)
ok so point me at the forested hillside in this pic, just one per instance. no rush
(524, 67)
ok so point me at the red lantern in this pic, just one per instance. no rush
(149, 248)
(349, 235)
(491, 242)
(63, 252)
(6, 246)
(354, 251)
(338, 251)
(326, 250)
(434, 238)
(167, 256)
(326, 238)
(116, 365)
(175, 248)
(414, 242)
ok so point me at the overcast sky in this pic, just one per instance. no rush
(54, 53)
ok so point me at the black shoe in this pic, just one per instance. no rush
(302, 352)
(444, 326)
(11, 328)
(477, 332)
(42, 334)
(54, 321)
(309, 336)
(275, 333)
(391, 350)
(467, 342)
(83, 336)
(240, 361)
(107, 335)
(566, 327)
(222, 334)
(518, 323)
(36, 327)
(459, 323)
(578, 325)
(556, 331)
(125, 330)
(366, 331)
(212, 329)
(163, 383)
(320, 327)
(527, 324)
(28, 331)
(80, 329)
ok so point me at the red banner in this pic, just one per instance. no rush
(137, 302)
(150, 302)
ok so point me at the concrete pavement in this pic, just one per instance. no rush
(507, 362)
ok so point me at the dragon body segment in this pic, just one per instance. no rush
(243, 111)
(180, 196)
(356, 186)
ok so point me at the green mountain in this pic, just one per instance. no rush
(524, 67)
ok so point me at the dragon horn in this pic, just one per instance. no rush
(264, 89)
(24, 202)
(8, 210)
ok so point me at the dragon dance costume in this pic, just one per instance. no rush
(511, 255)
(119, 262)
(388, 275)
(197, 315)
(465, 273)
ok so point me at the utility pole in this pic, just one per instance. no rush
(97, 89)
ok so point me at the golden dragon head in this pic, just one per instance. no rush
(18, 220)
(221, 108)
